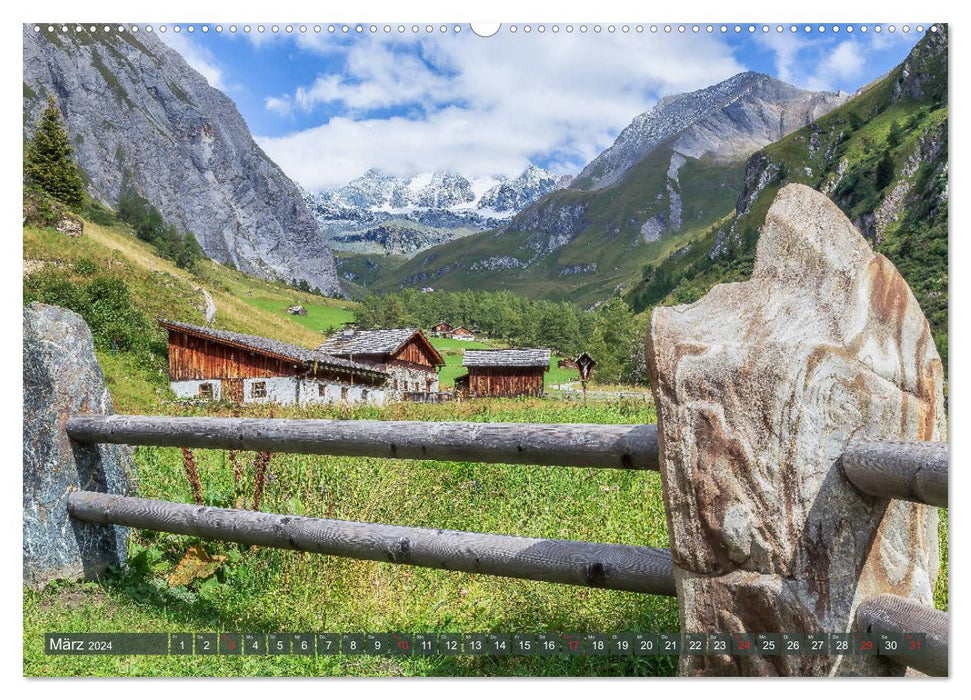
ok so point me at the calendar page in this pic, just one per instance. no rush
(426, 348)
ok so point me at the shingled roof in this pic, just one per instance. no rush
(531, 357)
(272, 347)
(383, 341)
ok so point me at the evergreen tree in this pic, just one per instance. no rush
(895, 136)
(884, 171)
(49, 162)
(189, 253)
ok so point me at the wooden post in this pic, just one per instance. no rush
(760, 386)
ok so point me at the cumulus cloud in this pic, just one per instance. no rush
(823, 64)
(481, 106)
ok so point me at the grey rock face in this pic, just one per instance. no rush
(133, 104)
(62, 378)
(552, 226)
(760, 385)
(729, 120)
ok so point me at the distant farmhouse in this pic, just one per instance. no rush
(404, 354)
(460, 333)
(441, 329)
(504, 372)
(214, 364)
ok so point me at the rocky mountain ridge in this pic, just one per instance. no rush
(138, 113)
(434, 207)
(728, 120)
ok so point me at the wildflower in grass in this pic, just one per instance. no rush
(237, 466)
(192, 473)
(260, 464)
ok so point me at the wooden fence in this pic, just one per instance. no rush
(901, 470)
(75, 498)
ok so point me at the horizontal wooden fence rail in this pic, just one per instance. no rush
(566, 445)
(612, 566)
(910, 471)
(893, 614)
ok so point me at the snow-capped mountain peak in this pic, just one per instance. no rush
(435, 204)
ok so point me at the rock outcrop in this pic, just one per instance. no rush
(62, 378)
(134, 108)
(759, 387)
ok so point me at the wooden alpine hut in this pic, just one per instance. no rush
(504, 372)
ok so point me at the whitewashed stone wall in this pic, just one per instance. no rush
(189, 389)
(410, 379)
(287, 391)
(279, 390)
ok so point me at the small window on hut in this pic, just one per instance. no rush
(205, 391)
(258, 390)
(396, 385)
(321, 390)
(343, 393)
(363, 394)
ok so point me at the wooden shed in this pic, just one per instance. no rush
(504, 372)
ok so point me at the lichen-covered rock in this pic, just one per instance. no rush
(62, 378)
(759, 386)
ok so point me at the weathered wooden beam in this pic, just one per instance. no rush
(910, 471)
(893, 614)
(613, 566)
(567, 445)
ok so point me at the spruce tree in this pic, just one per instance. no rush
(885, 171)
(49, 162)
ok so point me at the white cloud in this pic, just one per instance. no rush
(815, 65)
(200, 58)
(484, 105)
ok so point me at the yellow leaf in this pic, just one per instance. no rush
(196, 564)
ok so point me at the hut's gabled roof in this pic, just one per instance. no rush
(382, 341)
(532, 357)
(273, 348)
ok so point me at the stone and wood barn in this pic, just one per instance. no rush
(441, 328)
(207, 363)
(404, 354)
(504, 372)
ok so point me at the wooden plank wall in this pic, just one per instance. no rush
(413, 353)
(506, 381)
(191, 357)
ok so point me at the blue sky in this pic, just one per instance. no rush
(326, 107)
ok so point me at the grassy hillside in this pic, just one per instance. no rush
(607, 253)
(364, 269)
(121, 286)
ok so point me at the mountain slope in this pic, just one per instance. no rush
(671, 174)
(882, 158)
(140, 116)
